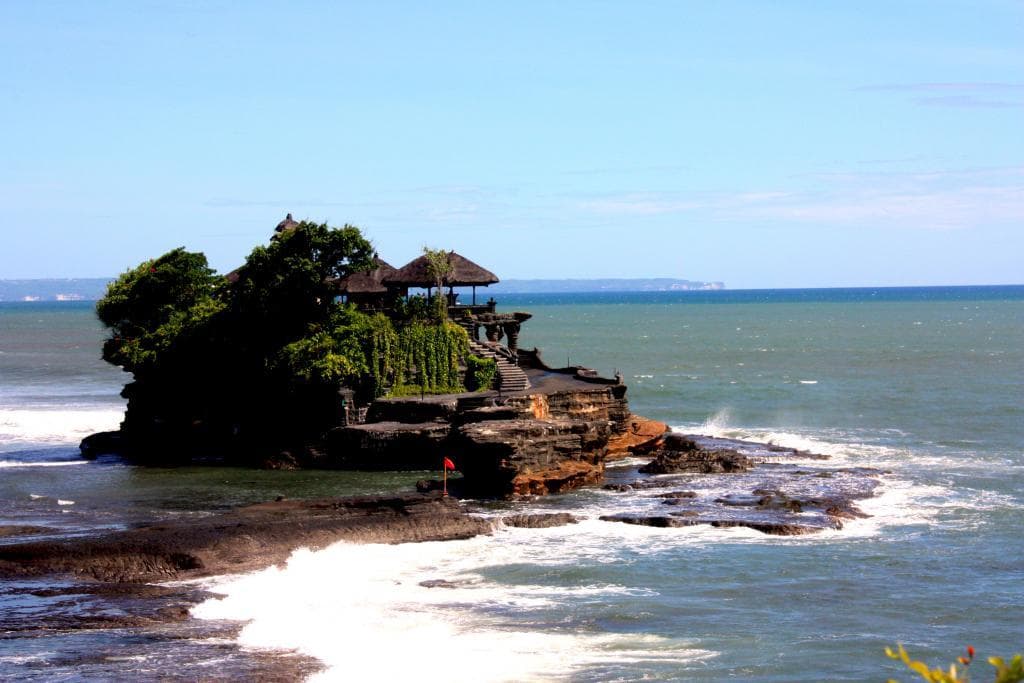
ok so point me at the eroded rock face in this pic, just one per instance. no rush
(601, 403)
(640, 437)
(530, 457)
(679, 454)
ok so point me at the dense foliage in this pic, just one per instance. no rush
(255, 360)
(150, 306)
(353, 349)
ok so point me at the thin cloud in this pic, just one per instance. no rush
(967, 86)
(967, 101)
(942, 200)
(963, 95)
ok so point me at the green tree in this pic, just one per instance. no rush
(286, 287)
(439, 268)
(149, 306)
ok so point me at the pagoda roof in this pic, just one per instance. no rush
(464, 273)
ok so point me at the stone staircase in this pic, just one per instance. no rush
(511, 378)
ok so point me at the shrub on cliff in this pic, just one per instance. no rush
(480, 373)
(356, 349)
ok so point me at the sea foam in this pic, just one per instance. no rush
(54, 426)
(361, 609)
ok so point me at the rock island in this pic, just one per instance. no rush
(317, 353)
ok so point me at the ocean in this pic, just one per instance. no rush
(924, 383)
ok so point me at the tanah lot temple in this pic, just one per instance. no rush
(539, 430)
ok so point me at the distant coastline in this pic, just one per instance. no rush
(54, 289)
(91, 289)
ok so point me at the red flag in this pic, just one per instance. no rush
(448, 464)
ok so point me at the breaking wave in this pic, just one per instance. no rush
(54, 426)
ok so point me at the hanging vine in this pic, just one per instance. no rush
(429, 359)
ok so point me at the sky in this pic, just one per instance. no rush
(763, 144)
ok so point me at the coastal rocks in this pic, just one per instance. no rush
(530, 457)
(776, 491)
(540, 520)
(245, 539)
(681, 454)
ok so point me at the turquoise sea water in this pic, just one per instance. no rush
(926, 383)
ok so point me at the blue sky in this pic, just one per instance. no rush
(766, 144)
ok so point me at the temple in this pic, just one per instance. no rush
(377, 289)
(539, 429)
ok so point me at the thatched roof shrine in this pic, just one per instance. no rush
(464, 273)
(369, 282)
(288, 223)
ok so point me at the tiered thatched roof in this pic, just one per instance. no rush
(369, 282)
(464, 273)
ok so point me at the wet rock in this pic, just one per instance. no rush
(438, 583)
(242, 540)
(676, 497)
(681, 455)
(540, 521)
(23, 530)
(687, 519)
(772, 528)
(638, 485)
(661, 521)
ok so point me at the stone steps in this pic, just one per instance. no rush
(511, 377)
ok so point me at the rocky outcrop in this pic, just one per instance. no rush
(547, 441)
(530, 457)
(640, 437)
(245, 539)
(680, 454)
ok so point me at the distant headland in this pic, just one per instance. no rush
(92, 289)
